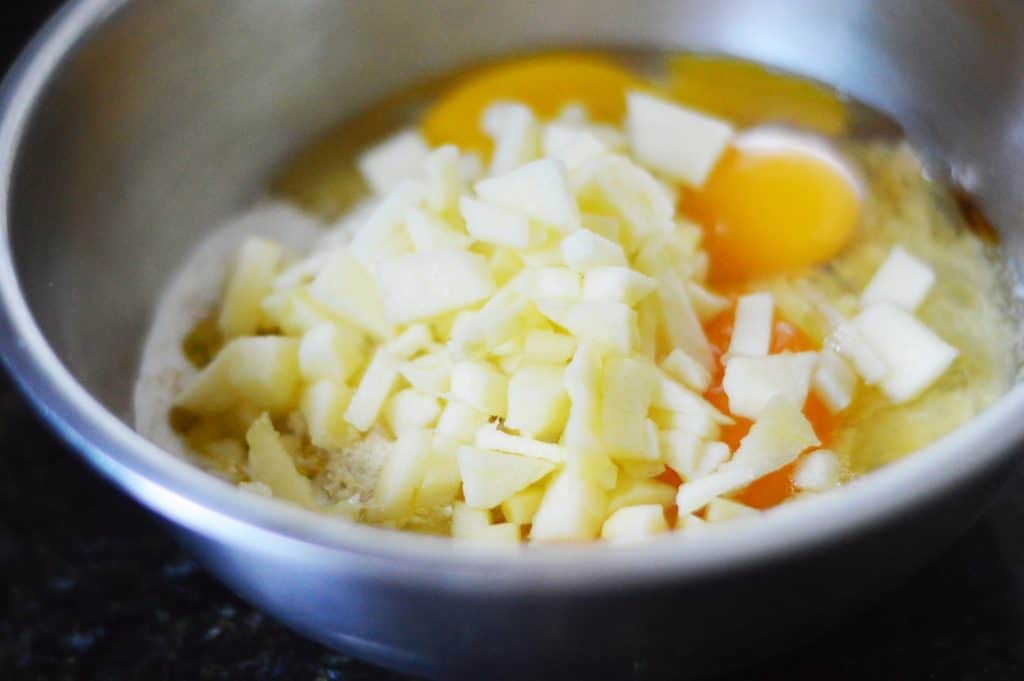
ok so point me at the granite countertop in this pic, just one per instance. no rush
(95, 589)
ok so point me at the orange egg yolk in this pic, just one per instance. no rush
(545, 83)
(774, 488)
(765, 213)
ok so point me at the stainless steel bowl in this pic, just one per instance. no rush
(127, 128)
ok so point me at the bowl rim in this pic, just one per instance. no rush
(180, 491)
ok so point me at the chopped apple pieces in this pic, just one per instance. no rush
(751, 382)
(255, 267)
(418, 286)
(525, 352)
(914, 357)
(634, 523)
(902, 280)
(675, 140)
(272, 465)
(490, 477)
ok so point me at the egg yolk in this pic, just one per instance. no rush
(769, 212)
(750, 94)
(545, 83)
(776, 487)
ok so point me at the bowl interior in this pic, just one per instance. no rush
(168, 115)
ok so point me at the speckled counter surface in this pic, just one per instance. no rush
(94, 589)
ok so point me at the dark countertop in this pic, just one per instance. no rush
(93, 588)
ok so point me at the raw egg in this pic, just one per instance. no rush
(545, 83)
(776, 202)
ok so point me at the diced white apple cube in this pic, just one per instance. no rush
(552, 282)
(914, 356)
(397, 158)
(374, 388)
(603, 225)
(594, 467)
(584, 250)
(443, 179)
(409, 409)
(516, 135)
(681, 451)
(522, 506)
(251, 278)
(510, 348)
(583, 384)
(628, 386)
(614, 185)
(752, 328)
(300, 272)
(641, 470)
(634, 523)
(647, 328)
(682, 367)
(679, 142)
(471, 166)
(606, 326)
(538, 404)
(678, 320)
(382, 234)
(633, 492)
(430, 373)
(539, 190)
(499, 320)
(848, 341)
(548, 346)
(430, 233)
(272, 465)
(412, 341)
(441, 482)
(712, 456)
(264, 370)
(348, 290)
(751, 382)
(494, 224)
(724, 510)
(331, 351)
(673, 396)
(400, 476)
(419, 286)
(468, 522)
(490, 477)
(696, 494)
(489, 437)
(616, 284)
(323, 407)
(818, 471)
(460, 422)
(706, 304)
(481, 386)
(902, 280)
(571, 144)
(652, 444)
(833, 380)
(573, 508)
(701, 424)
(776, 439)
(209, 391)
(295, 312)
(505, 265)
